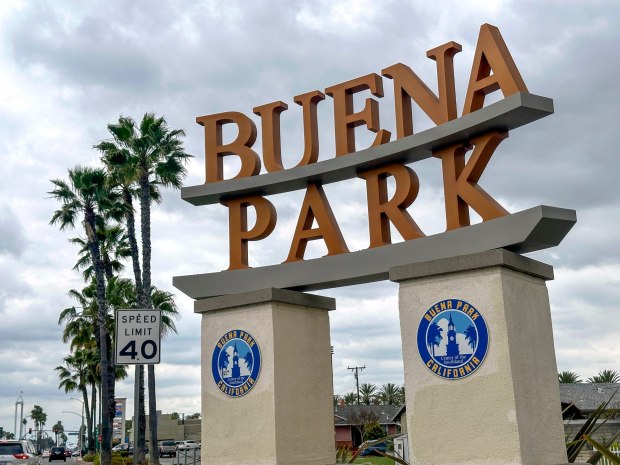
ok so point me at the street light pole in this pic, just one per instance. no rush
(75, 413)
(82, 427)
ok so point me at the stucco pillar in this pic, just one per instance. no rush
(504, 410)
(286, 417)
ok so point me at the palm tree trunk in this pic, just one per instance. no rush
(153, 452)
(139, 448)
(89, 421)
(139, 422)
(133, 243)
(145, 226)
(91, 428)
(107, 390)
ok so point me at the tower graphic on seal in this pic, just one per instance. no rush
(236, 371)
(453, 347)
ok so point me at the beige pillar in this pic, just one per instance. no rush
(508, 410)
(287, 417)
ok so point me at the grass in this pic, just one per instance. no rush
(374, 461)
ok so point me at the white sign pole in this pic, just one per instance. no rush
(138, 339)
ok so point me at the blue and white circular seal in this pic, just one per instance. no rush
(453, 338)
(236, 363)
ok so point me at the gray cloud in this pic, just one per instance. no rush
(12, 240)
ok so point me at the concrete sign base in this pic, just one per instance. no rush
(285, 416)
(505, 408)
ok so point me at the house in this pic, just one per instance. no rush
(578, 402)
(588, 396)
(348, 421)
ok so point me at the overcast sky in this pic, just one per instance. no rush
(67, 68)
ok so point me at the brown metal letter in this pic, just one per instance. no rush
(215, 150)
(345, 120)
(309, 102)
(238, 232)
(408, 86)
(270, 123)
(382, 212)
(460, 179)
(492, 69)
(316, 206)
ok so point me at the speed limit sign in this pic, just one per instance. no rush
(138, 337)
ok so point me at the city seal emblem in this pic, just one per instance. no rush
(453, 339)
(236, 363)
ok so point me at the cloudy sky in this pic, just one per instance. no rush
(68, 68)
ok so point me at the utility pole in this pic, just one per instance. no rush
(356, 371)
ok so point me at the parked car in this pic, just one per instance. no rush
(13, 452)
(58, 453)
(371, 450)
(168, 448)
(130, 450)
(120, 447)
(189, 444)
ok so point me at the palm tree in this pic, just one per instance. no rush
(568, 377)
(79, 331)
(145, 157)
(39, 417)
(87, 196)
(389, 394)
(78, 372)
(350, 398)
(605, 376)
(367, 390)
(433, 337)
(114, 249)
(472, 336)
(249, 360)
(58, 429)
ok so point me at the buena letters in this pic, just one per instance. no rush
(493, 69)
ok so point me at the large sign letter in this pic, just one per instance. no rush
(316, 206)
(460, 179)
(345, 120)
(382, 211)
(270, 124)
(492, 69)
(309, 102)
(408, 86)
(238, 232)
(215, 150)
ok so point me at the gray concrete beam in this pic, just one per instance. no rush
(526, 231)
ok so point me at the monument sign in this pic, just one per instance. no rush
(475, 318)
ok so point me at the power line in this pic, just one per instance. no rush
(356, 371)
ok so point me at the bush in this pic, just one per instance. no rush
(373, 431)
(117, 459)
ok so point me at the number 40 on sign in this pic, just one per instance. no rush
(138, 334)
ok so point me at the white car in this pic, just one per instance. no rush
(189, 444)
(18, 453)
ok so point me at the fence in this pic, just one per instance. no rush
(615, 448)
(187, 457)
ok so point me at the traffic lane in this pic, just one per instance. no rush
(70, 460)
